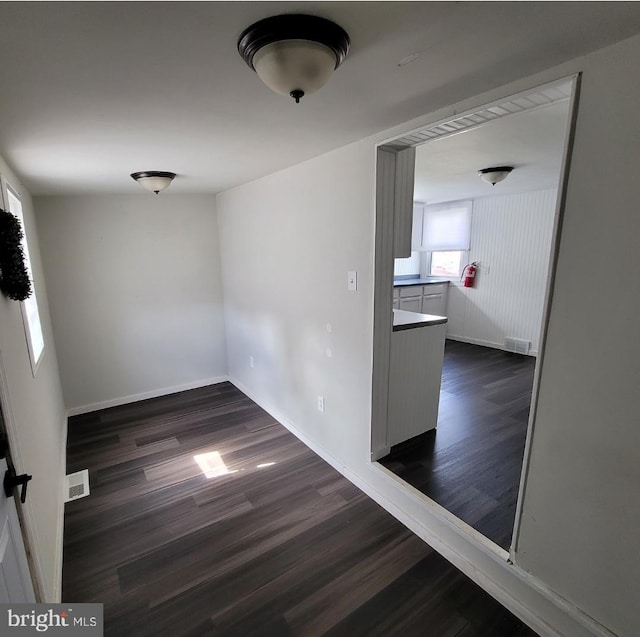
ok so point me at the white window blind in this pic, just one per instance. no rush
(447, 226)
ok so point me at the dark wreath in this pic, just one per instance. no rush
(14, 278)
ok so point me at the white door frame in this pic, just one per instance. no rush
(383, 277)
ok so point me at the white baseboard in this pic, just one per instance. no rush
(134, 398)
(539, 616)
(477, 341)
(57, 589)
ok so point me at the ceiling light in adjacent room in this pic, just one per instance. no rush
(294, 54)
(495, 174)
(154, 180)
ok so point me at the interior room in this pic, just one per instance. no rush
(198, 359)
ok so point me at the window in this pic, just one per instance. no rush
(30, 314)
(446, 237)
(447, 263)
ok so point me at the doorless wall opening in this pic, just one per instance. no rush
(545, 114)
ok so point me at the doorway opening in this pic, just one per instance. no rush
(472, 458)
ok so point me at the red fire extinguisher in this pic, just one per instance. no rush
(469, 274)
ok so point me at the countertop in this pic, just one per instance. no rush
(417, 281)
(404, 320)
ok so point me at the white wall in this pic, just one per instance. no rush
(278, 313)
(136, 296)
(511, 240)
(581, 523)
(577, 563)
(36, 417)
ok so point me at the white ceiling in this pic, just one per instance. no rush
(92, 91)
(532, 142)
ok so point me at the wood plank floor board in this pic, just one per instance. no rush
(263, 538)
(289, 548)
(478, 445)
(428, 611)
(311, 585)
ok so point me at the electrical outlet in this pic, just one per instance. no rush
(321, 403)
(252, 362)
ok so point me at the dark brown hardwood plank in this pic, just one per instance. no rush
(281, 545)
(471, 463)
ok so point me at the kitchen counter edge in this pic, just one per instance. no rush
(405, 320)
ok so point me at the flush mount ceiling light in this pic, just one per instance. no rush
(495, 174)
(154, 180)
(294, 54)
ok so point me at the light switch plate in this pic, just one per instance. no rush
(352, 281)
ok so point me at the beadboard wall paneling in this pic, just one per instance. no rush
(410, 265)
(511, 240)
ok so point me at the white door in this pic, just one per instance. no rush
(15, 579)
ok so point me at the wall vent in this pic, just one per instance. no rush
(77, 485)
(517, 345)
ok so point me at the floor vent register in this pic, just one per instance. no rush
(517, 345)
(77, 485)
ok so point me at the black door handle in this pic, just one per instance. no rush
(11, 481)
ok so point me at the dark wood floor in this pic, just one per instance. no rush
(289, 548)
(471, 463)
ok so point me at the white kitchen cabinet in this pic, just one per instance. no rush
(409, 290)
(434, 299)
(425, 299)
(410, 298)
(411, 304)
(415, 371)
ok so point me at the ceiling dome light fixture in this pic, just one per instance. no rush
(495, 174)
(294, 54)
(154, 180)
